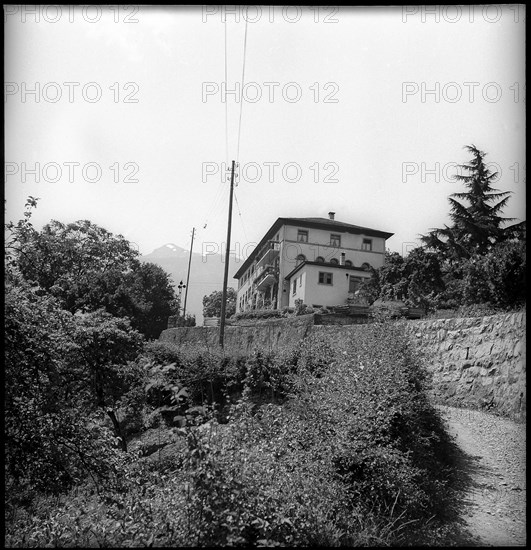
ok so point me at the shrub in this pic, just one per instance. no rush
(209, 375)
(54, 437)
(258, 314)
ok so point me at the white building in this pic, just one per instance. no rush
(320, 261)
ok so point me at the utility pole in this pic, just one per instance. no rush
(188, 276)
(226, 276)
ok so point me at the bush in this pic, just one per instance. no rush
(210, 376)
(53, 440)
(258, 314)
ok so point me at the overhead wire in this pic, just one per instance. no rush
(241, 217)
(221, 191)
(219, 195)
(226, 104)
(241, 98)
(240, 122)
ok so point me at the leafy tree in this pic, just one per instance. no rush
(212, 303)
(496, 278)
(87, 268)
(416, 279)
(51, 438)
(477, 226)
(146, 296)
(64, 259)
(425, 278)
(105, 346)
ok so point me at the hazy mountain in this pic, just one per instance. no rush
(206, 273)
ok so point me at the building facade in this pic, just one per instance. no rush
(318, 260)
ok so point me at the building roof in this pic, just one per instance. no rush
(316, 223)
(341, 226)
(328, 265)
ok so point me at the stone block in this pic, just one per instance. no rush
(517, 349)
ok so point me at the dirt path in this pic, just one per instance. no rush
(495, 465)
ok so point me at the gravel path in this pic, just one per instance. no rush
(495, 465)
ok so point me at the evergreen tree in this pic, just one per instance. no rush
(477, 224)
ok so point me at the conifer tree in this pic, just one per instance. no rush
(477, 224)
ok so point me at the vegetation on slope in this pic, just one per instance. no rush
(317, 444)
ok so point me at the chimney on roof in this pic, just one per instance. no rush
(331, 215)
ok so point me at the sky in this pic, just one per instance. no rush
(119, 116)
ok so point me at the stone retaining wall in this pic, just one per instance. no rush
(266, 334)
(474, 362)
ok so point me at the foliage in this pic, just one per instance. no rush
(52, 441)
(301, 308)
(354, 455)
(258, 314)
(417, 279)
(209, 375)
(474, 261)
(17, 234)
(478, 226)
(105, 346)
(212, 303)
(87, 268)
(496, 278)
(147, 297)
(180, 321)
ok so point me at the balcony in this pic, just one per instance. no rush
(265, 278)
(268, 254)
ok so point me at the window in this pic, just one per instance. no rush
(325, 278)
(300, 258)
(348, 263)
(334, 261)
(302, 235)
(366, 244)
(366, 266)
(295, 286)
(335, 240)
(319, 260)
(300, 280)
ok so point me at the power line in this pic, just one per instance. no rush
(226, 104)
(241, 98)
(241, 218)
(221, 191)
(220, 195)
